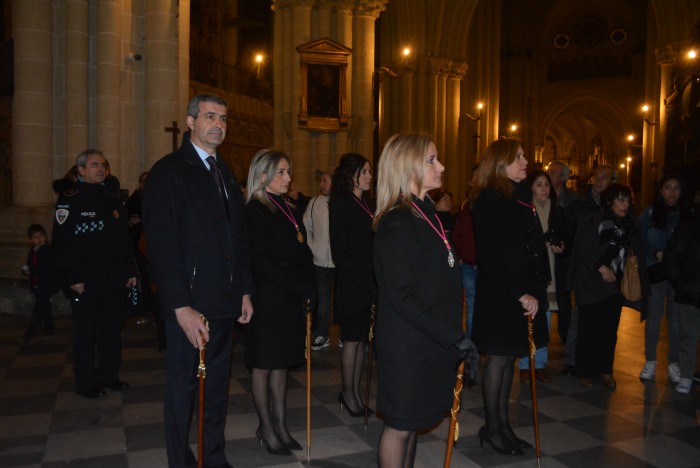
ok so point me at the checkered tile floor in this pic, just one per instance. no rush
(43, 423)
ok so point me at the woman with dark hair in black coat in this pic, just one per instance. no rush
(602, 245)
(352, 240)
(552, 220)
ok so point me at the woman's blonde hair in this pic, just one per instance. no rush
(492, 169)
(400, 163)
(264, 163)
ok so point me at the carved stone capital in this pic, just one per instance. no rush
(368, 7)
(436, 66)
(457, 70)
(666, 55)
(670, 53)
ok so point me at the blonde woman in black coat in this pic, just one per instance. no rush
(419, 336)
(512, 285)
(285, 280)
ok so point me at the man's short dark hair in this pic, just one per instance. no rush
(34, 228)
(193, 106)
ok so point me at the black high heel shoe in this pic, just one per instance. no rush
(273, 451)
(522, 444)
(292, 445)
(354, 414)
(484, 436)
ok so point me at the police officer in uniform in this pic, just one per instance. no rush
(95, 258)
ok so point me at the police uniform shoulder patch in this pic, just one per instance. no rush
(61, 215)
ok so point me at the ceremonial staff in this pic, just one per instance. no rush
(201, 374)
(308, 379)
(533, 387)
(453, 433)
(369, 361)
(469, 359)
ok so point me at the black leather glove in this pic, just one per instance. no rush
(470, 355)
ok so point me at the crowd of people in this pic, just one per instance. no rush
(213, 260)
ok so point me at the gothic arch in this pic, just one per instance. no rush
(599, 106)
(579, 123)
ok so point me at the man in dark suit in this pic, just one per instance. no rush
(198, 249)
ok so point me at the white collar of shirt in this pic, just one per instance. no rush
(203, 155)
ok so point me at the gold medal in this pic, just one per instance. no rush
(300, 236)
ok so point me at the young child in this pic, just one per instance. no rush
(43, 282)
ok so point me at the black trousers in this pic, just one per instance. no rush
(597, 336)
(182, 390)
(40, 313)
(98, 315)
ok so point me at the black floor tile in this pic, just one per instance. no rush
(601, 457)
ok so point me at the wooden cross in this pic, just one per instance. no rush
(175, 131)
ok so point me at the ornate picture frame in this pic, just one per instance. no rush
(323, 74)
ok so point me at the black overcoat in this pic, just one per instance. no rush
(506, 273)
(352, 244)
(198, 253)
(283, 269)
(91, 239)
(418, 320)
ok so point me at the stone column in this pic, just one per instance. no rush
(300, 28)
(383, 88)
(654, 136)
(421, 108)
(439, 136)
(405, 102)
(76, 81)
(432, 95)
(161, 54)
(454, 161)
(108, 61)
(483, 83)
(32, 105)
(183, 62)
(364, 16)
